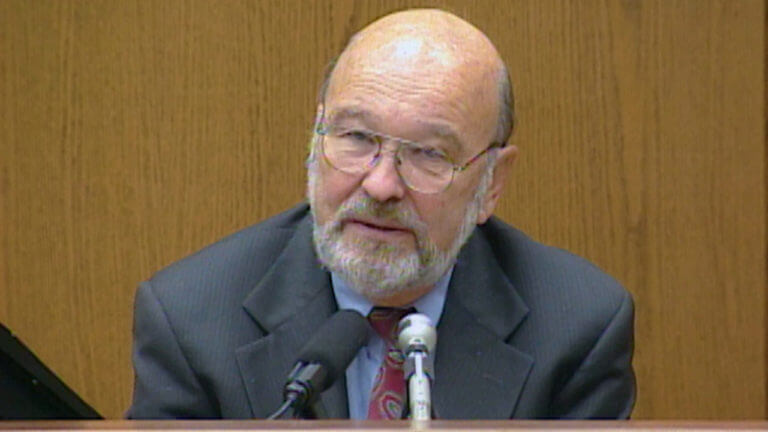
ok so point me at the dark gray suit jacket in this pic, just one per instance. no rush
(528, 331)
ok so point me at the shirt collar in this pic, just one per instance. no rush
(430, 304)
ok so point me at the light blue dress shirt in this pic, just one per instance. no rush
(363, 369)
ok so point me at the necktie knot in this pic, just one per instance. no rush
(384, 321)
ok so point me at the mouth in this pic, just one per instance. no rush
(375, 227)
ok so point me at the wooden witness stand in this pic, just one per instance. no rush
(344, 425)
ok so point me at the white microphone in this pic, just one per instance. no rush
(417, 339)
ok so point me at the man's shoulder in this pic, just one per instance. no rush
(577, 327)
(238, 258)
(549, 275)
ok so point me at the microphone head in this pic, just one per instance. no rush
(335, 344)
(416, 330)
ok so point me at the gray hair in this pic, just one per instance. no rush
(506, 122)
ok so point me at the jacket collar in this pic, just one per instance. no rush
(290, 302)
(482, 310)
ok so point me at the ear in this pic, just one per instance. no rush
(319, 114)
(311, 142)
(504, 162)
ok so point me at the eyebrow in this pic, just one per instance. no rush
(348, 113)
(440, 129)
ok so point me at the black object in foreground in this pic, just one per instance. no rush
(30, 391)
(324, 358)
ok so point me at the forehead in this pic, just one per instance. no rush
(359, 115)
(416, 86)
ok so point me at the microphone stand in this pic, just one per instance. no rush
(417, 370)
(300, 396)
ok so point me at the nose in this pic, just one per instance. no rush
(382, 182)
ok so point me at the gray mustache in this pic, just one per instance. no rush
(391, 211)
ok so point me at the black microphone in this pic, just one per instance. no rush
(322, 360)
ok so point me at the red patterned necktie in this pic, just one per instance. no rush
(388, 393)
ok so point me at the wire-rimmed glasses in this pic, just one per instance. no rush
(422, 168)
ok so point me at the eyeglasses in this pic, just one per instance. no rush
(422, 168)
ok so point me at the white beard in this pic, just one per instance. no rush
(379, 270)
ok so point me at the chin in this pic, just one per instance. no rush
(376, 251)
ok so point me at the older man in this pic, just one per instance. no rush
(409, 155)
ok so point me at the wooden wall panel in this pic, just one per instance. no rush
(133, 133)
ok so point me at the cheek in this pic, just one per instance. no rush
(443, 218)
(332, 188)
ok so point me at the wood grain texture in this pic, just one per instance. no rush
(133, 133)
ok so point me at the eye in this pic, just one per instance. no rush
(358, 137)
(426, 160)
(429, 153)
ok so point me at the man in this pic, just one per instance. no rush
(409, 155)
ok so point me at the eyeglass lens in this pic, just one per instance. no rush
(423, 169)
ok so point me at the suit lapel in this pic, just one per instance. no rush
(477, 374)
(290, 302)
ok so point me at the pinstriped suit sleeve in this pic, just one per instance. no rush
(603, 386)
(165, 386)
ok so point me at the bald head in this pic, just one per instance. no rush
(439, 30)
(433, 48)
